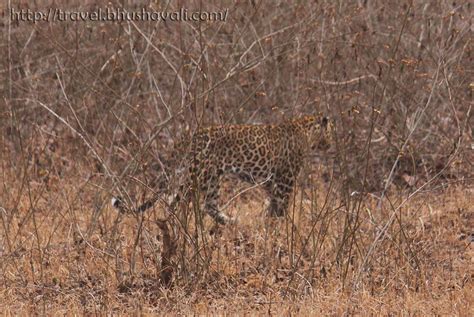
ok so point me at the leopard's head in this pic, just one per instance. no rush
(318, 131)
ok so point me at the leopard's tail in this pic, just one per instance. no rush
(118, 204)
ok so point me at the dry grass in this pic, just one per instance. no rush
(56, 266)
(382, 224)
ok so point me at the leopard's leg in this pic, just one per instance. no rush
(280, 189)
(210, 189)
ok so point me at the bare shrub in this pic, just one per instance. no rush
(91, 109)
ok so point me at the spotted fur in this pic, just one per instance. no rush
(272, 154)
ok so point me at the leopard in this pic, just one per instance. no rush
(271, 155)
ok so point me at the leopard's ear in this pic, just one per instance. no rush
(324, 121)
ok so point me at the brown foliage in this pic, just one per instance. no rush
(382, 224)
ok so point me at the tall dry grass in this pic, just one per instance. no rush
(380, 224)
